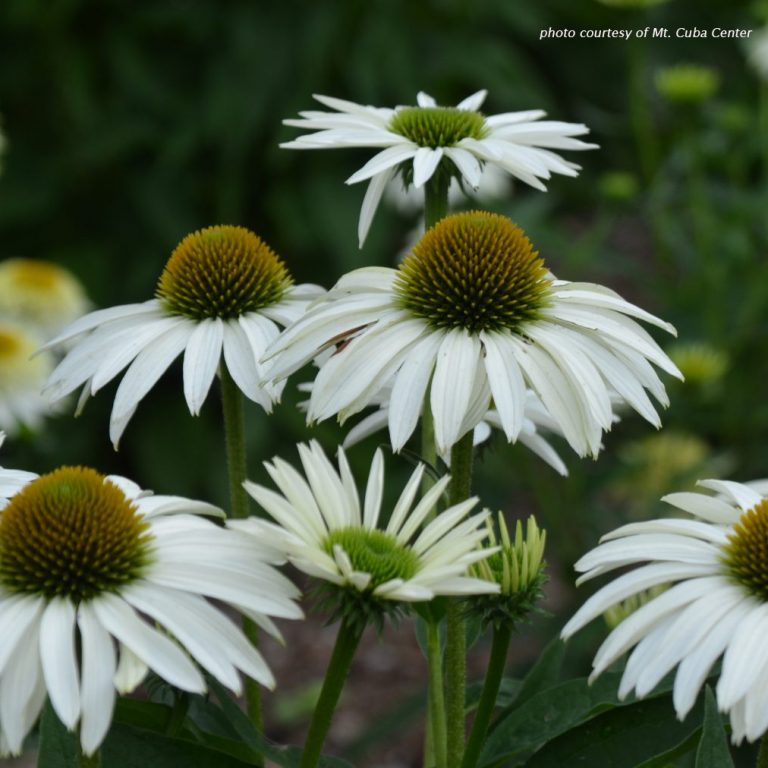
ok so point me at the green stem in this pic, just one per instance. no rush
(462, 455)
(234, 434)
(436, 695)
(436, 198)
(762, 755)
(493, 675)
(178, 714)
(341, 660)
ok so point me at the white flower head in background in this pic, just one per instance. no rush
(419, 141)
(223, 293)
(325, 531)
(472, 316)
(536, 420)
(90, 566)
(717, 606)
(21, 378)
(41, 294)
(757, 52)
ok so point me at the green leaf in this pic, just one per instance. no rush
(287, 757)
(645, 733)
(130, 747)
(544, 673)
(713, 751)
(547, 714)
(508, 693)
(58, 746)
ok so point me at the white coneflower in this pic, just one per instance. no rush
(21, 378)
(419, 141)
(325, 531)
(717, 604)
(89, 565)
(223, 292)
(473, 315)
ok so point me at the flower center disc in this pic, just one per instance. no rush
(476, 271)
(374, 552)
(438, 126)
(71, 533)
(746, 554)
(222, 271)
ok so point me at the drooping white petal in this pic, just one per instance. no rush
(98, 665)
(59, 660)
(371, 200)
(457, 360)
(425, 163)
(201, 360)
(374, 492)
(152, 647)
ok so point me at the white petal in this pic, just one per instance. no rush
(18, 686)
(98, 664)
(371, 200)
(143, 373)
(473, 102)
(240, 359)
(467, 163)
(409, 389)
(741, 494)
(425, 163)
(59, 660)
(151, 646)
(457, 361)
(384, 160)
(425, 100)
(506, 383)
(201, 360)
(706, 507)
(374, 492)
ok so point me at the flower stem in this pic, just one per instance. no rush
(344, 651)
(491, 685)
(436, 695)
(462, 455)
(435, 198)
(762, 755)
(234, 436)
(641, 118)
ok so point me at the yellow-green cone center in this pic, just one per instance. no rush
(438, 126)
(476, 271)
(374, 552)
(222, 271)
(71, 533)
(746, 554)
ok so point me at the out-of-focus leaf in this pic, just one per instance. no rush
(58, 746)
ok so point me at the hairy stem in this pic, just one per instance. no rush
(491, 685)
(462, 455)
(338, 668)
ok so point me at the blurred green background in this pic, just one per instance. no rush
(131, 124)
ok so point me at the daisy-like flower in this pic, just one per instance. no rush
(21, 378)
(222, 292)
(426, 139)
(326, 532)
(717, 604)
(89, 566)
(471, 315)
(41, 294)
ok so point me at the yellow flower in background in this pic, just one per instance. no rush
(21, 378)
(41, 294)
